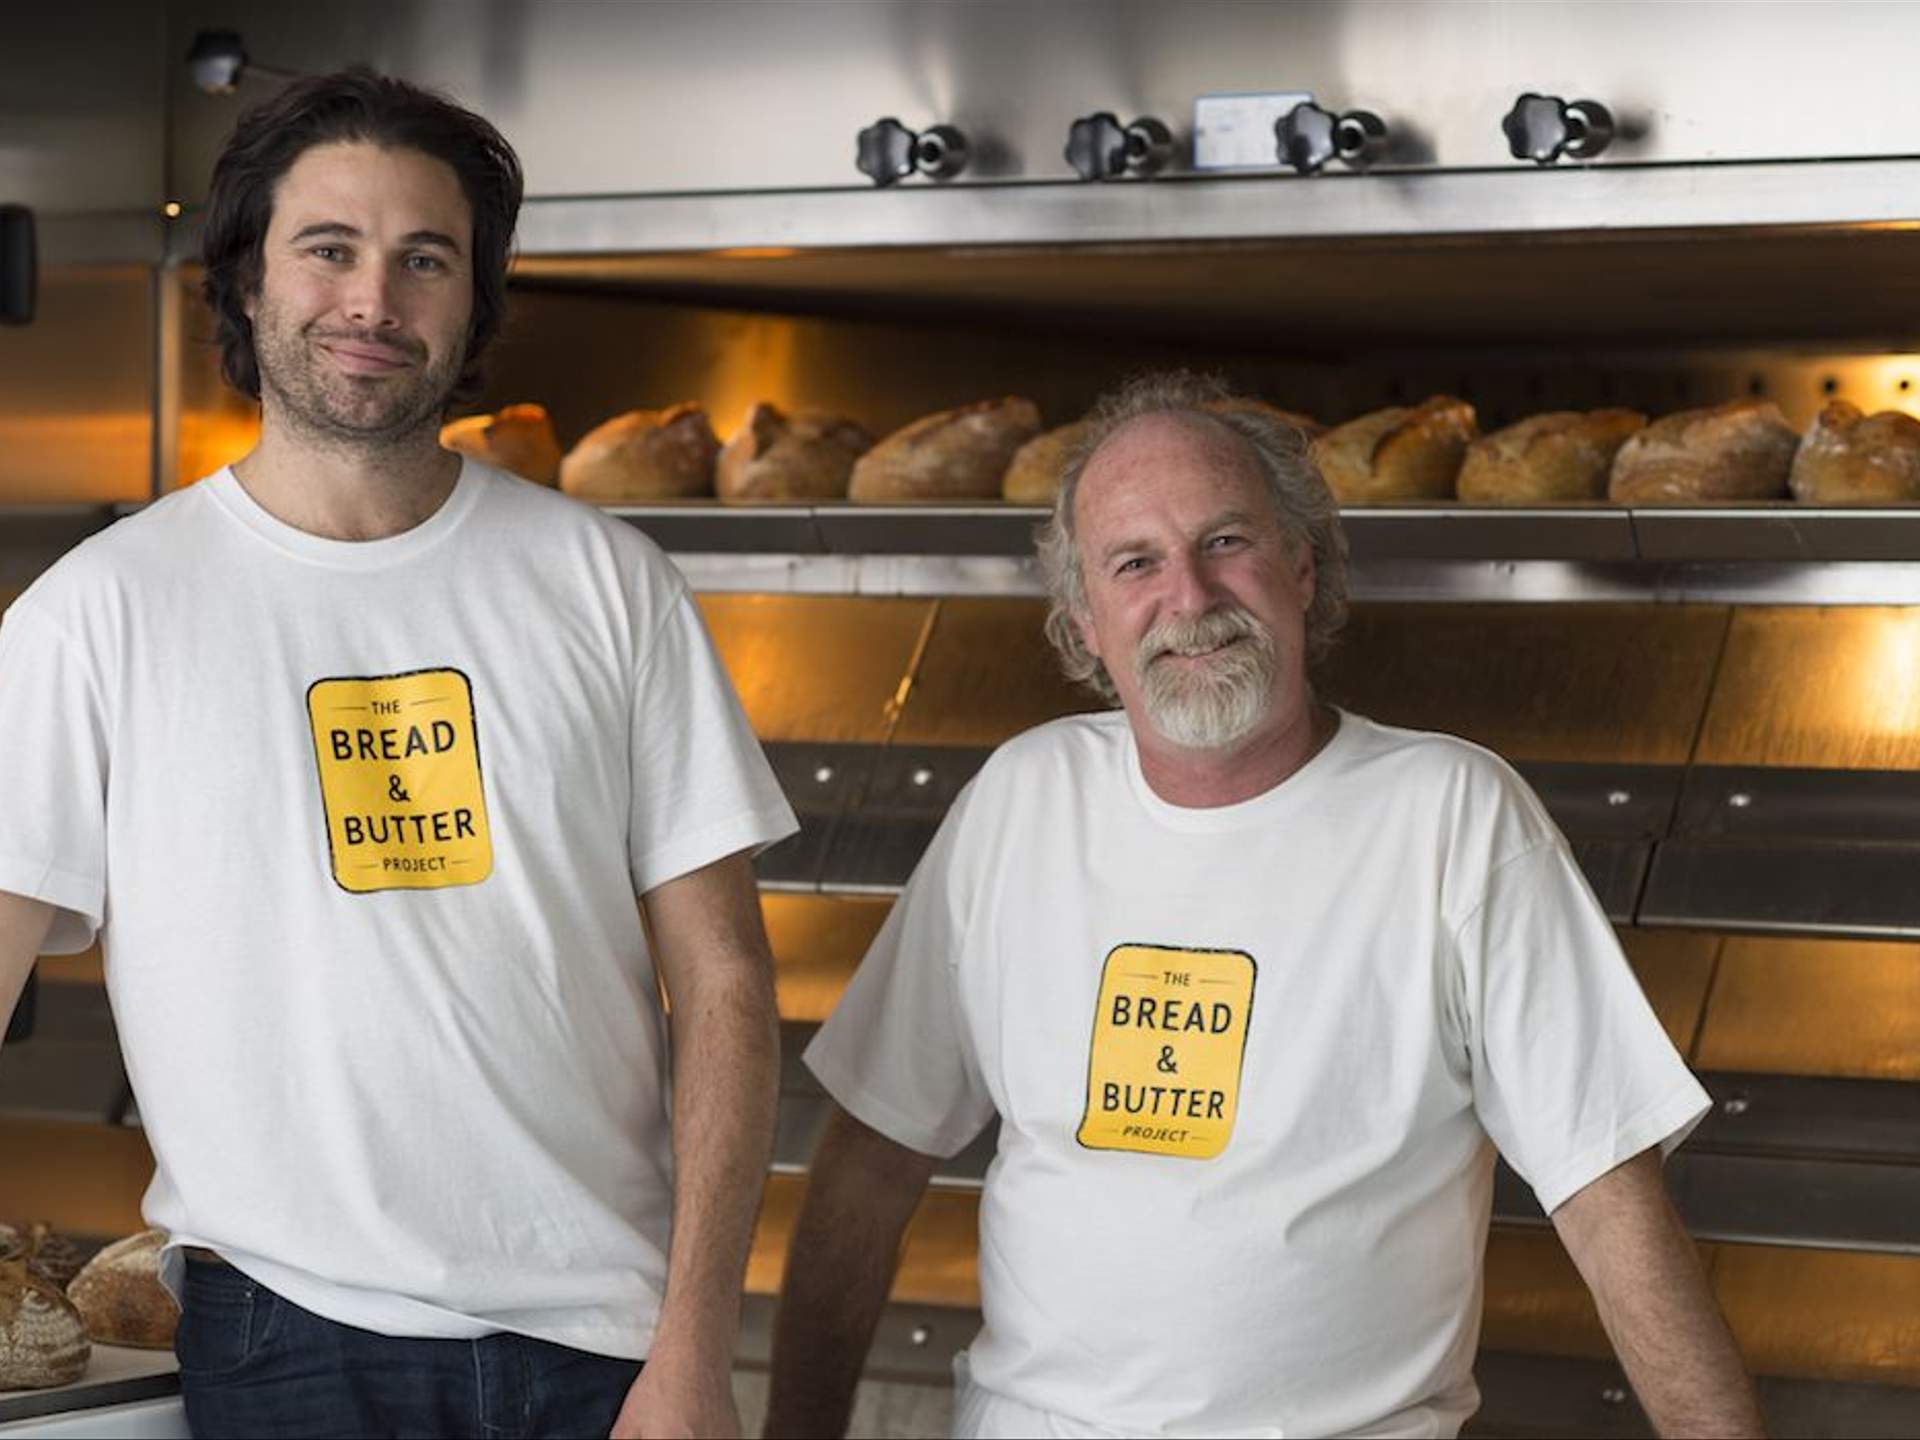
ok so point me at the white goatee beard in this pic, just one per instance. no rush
(1215, 701)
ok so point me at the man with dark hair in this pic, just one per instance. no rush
(1254, 987)
(357, 757)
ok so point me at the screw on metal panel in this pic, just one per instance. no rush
(922, 776)
(1614, 1395)
(1734, 1105)
(920, 1335)
(1739, 799)
(823, 774)
(1618, 797)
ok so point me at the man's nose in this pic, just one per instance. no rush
(369, 299)
(1189, 589)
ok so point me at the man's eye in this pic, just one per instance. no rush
(1130, 566)
(425, 263)
(1226, 542)
(327, 252)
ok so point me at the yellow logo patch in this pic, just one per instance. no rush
(1169, 1036)
(399, 763)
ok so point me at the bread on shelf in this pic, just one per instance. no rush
(1033, 475)
(1401, 453)
(1561, 455)
(959, 454)
(1742, 450)
(802, 455)
(119, 1295)
(43, 1341)
(1851, 458)
(519, 438)
(644, 455)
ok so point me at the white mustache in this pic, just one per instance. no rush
(1198, 636)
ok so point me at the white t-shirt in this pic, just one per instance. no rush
(362, 828)
(1250, 1065)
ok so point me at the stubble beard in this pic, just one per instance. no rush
(1214, 701)
(348, 412)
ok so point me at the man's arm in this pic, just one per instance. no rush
(711, 948)
(23, 930)
(1653, 1298)
(861, 1191)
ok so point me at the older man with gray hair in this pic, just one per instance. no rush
(1255, 988)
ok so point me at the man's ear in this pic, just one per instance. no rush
(1306, 575)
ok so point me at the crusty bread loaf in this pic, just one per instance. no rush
(644, 455)
(1033, 475)
(1849, 458)
(1399, 453)
(120, 1296)
(42, 1339)
(1305, 424)
(1562, 455)
(952, 455)
(520, 438)
(1742, 450)
(50, 1255)
(807, 455)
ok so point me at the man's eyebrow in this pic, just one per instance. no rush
(340, 230)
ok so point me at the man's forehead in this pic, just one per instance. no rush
(359, 184)
(1166, 459)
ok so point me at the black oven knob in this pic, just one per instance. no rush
(1099, 147)
(1308, 136)
(889, 151)
(1542, 128)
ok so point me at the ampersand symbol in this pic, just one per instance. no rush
(394, 792)
(1166, 1066)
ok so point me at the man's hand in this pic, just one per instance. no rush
(691, 1398)
(1653, 1298)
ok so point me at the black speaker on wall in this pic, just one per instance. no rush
(19, 265)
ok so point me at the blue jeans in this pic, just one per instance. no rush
(252, 1363)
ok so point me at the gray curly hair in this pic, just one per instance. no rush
(1307, 509)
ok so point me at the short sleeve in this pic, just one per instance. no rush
(702, 788)
(53, 775)
(1572, 1072)
(895, 1052)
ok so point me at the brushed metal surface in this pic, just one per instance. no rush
(1599, 683)
(1675, 969)
(989, 673)
(76, 390)
(1835, 688)
(1814, 1007)
(1828, 1314)
(1779, 886)
(690, 87)
(937, 1256)
(817, 942)
(817, 668)
(85, 86)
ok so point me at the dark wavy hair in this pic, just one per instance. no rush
(352, 105)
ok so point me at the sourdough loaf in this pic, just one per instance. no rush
(807, 455)
(1742, 450)
(520, 438)
(952, 455)
(644, 455)
(1033, 475)
(1849, 458)
(42, 1339)
(1400, 453)
(1562, 455)
(120, 1297)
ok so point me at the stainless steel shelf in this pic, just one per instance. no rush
(1417, 202)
